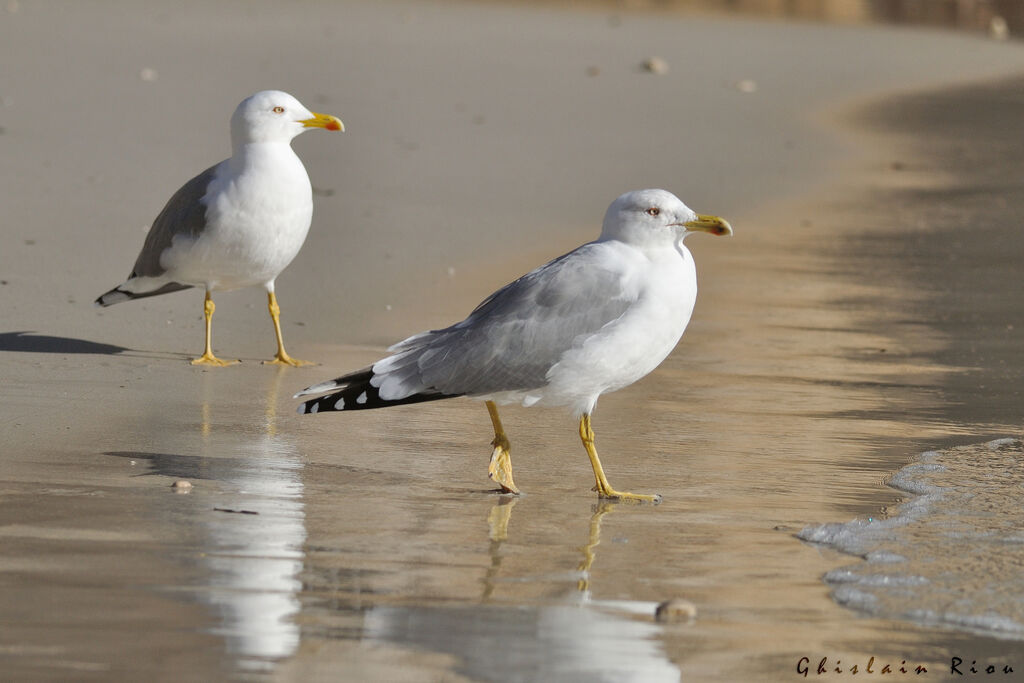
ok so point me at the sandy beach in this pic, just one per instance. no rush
(847, 327)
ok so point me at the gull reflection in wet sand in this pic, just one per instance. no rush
(573, 638)
(254, 540)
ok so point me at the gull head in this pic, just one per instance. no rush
(656, 217)
(275, 116)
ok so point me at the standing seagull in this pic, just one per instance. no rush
(594, 320)
(236, 224)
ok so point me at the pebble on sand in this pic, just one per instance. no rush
(182, 486)
(998, 28)
(675, 610)
(746, 85)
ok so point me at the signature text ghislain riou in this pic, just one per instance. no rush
(957, 667)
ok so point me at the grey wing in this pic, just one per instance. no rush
(184, 214)
(511, 340)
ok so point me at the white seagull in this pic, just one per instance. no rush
(594, 320)
(236, 224)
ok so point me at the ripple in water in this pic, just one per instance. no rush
(953, 555)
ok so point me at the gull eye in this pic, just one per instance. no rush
(278, 109)
(653, 211)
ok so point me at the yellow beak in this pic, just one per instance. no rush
(323, 121)
(712, 224)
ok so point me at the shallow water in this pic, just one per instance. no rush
(952, 555)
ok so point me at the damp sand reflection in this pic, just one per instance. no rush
(254, 542)
(519, 612)
(244, 517)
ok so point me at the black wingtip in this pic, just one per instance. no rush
(118, 295)
(363, 396)
(114, 296)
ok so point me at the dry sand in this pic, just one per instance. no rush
(482, 140)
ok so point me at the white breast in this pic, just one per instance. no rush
(258, 211)
(632, 346)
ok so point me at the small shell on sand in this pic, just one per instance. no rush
(182, 486)
(675, 610)
(656, 65)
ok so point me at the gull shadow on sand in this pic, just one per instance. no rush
(29, 342)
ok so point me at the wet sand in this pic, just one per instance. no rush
(958, 196)
(481, 143)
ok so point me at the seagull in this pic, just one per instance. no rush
(591, 321)
(236, 224)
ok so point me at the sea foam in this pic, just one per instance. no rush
(951, 553)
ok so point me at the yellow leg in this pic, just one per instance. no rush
(208, 358)
(603, 488)
(282, 357)
(500, 467)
